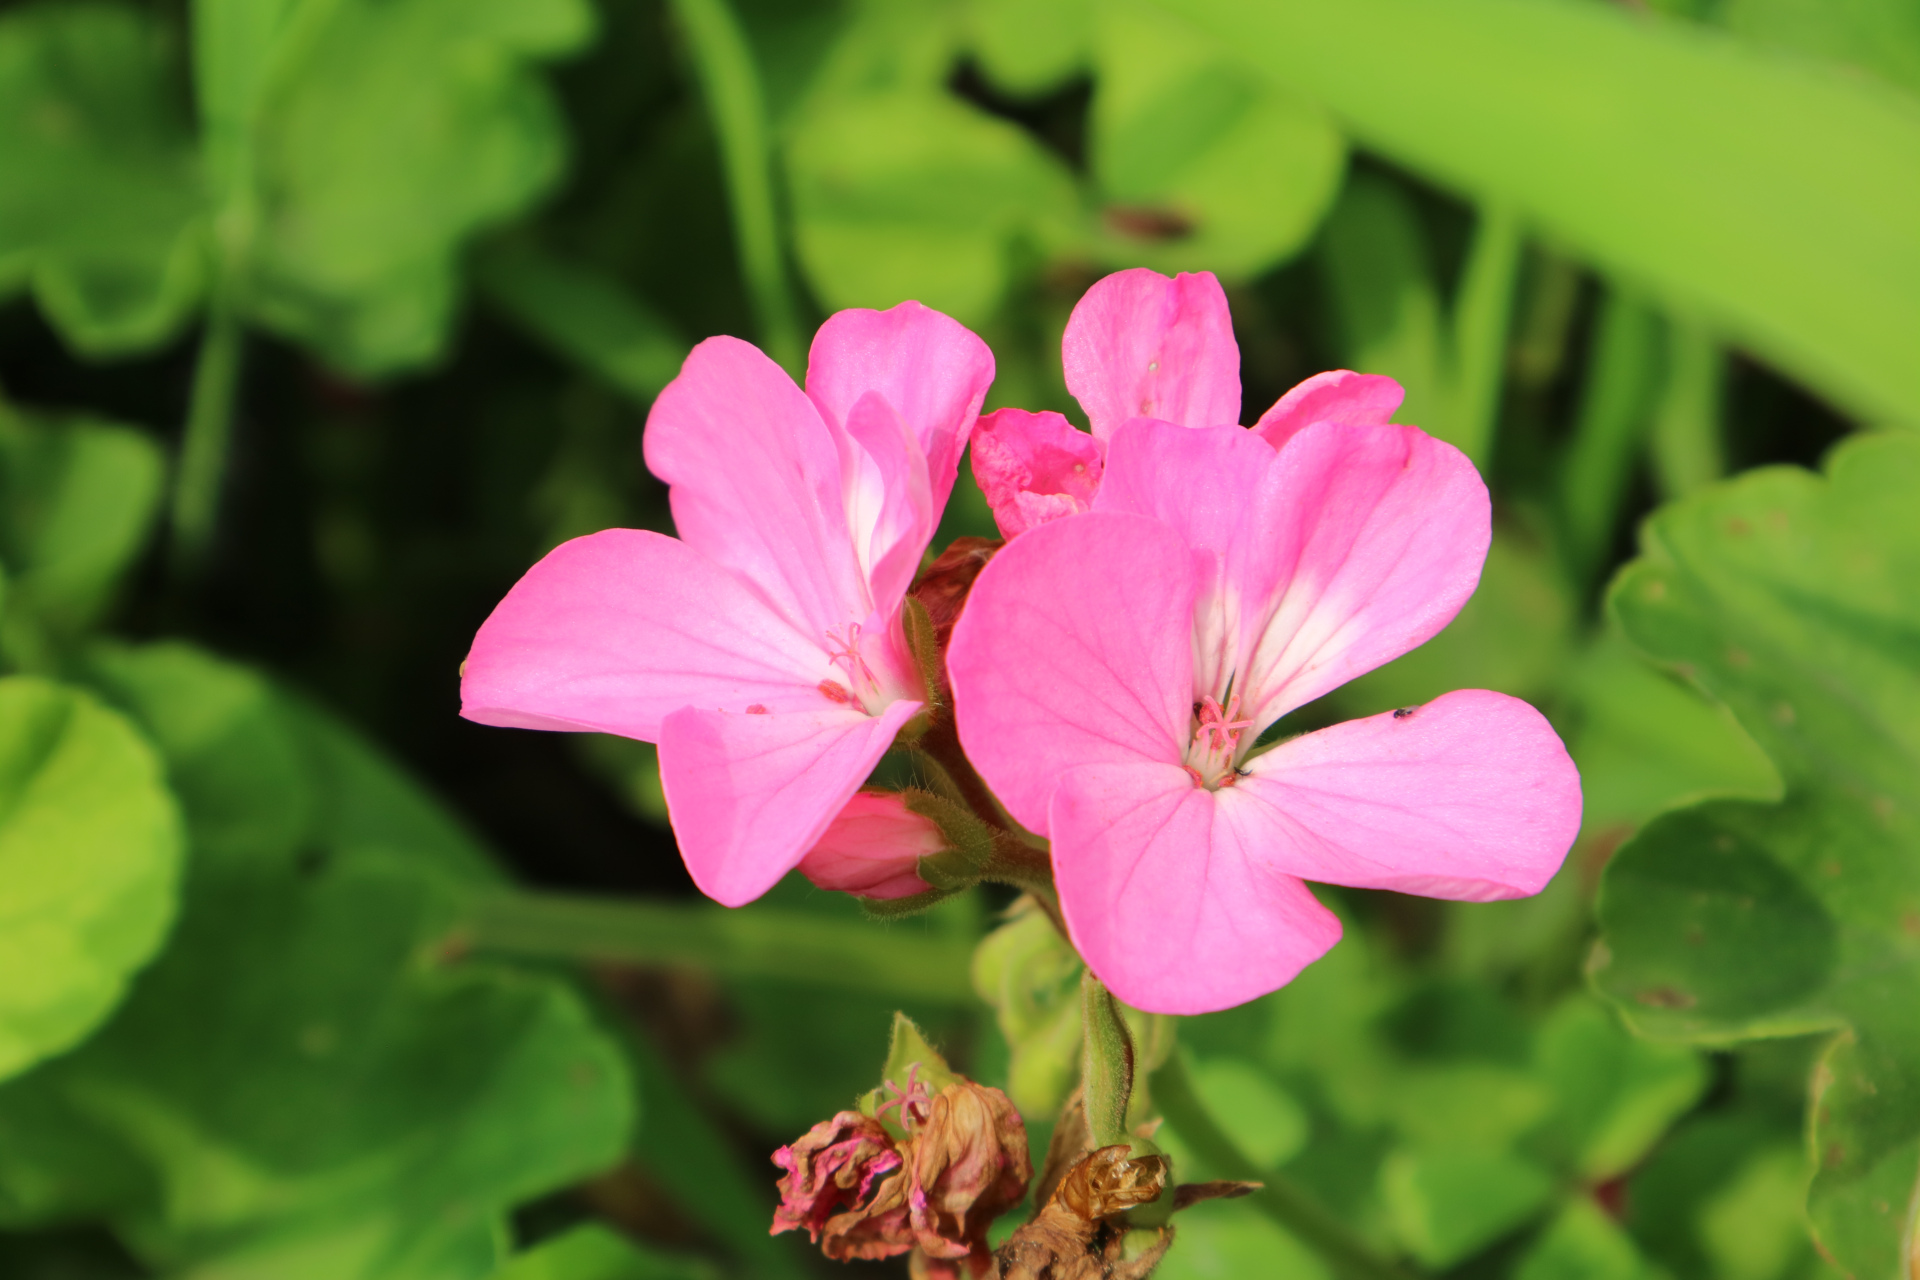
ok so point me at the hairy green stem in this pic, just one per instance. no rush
(1609, 429)
(1279, 1198)
(1106, 1064)
(731, 84)
(756, 942)
(1687, 451)
(1482, 314)
(202, 468)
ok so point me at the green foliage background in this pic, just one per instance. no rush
(320, 320)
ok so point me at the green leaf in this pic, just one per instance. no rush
(100, 190)
(1202, 164)
(1268, 1125)
(1870, 34)
(1447, 1204)
(1029, 46)
(90, 848)
(1616, 1095)
(592, 1252)
(77, 501)
(1640, 143)
(910, 193)
(387, 134)
(1582, 1243)
(1227, 1240)
(1030, 976)
(1788, 596)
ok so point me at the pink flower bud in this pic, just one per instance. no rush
(873, 848)
(846, 1181)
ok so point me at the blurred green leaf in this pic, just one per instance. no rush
(1615, 1094)
(1448, 1203)
(1226, 1240)
(1642, 144)
(77, 501)
(100, 189)
(592, 1252)
(1582, 1243)
(1788, 596)
(1268, 1125)
(1876, 35)
(1029, 46)
(389, 132)
(1202, 165)
(90, 846)
(910, 193)
(1030, 976)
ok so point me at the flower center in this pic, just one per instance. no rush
(1216, 742)
(915, 1101)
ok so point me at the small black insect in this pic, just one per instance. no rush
(1404, 712)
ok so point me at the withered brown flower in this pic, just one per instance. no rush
(846, 1183)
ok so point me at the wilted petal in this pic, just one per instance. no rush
(1470, 796)
(845, 1179)
(750, 794)
(1339, 395)
(873, 847)
(1171, 901)
(614, 631)
(967, 1165)
(1074, 649)
(1139, 345)
(1034, 467)
(932, 369)
(756, 482)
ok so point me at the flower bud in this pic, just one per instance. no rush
(846, 1183)
(873, 847)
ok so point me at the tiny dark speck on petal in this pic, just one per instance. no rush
(1404, 712)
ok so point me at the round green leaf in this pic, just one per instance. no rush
(89, 859)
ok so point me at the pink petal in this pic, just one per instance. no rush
(616, 630)
(890, 513)
(750, 794)
(1139, 345)
(873, 848)
(1471, 796)
(756, 479)
(1172, 903)
(1380, 533)
(1073, 649)
(932, 369)
(1340, 395)
(1211, 486)
(1033, 467)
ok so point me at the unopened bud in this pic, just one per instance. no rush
(872, 849)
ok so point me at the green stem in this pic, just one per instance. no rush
(1279, 1198)
(1609, 430)
(1687, 452)
(731, 84)
(1482, 314)
(758, 942)
(209, 435)
(1106, 1064)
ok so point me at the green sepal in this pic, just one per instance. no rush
(969, 841)
(924, 645)
(901, 908)
(908, 1052)
(1107, 1064)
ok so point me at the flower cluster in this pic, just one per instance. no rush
(1171, 586)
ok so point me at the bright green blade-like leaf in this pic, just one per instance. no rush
(1774, 198)
(77, 502)
(395, 131)
(1203, 165)
(913, 194)
(100, 191)
(1790, 597)
(90, 846)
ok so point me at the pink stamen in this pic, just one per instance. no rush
(847, 652)
(1221, 726)
(915, 1102)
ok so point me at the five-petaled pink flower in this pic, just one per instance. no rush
(763, 649)
(1114, 671)
(1140, 345)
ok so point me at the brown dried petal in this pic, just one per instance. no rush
(1071, 1237)
(967, 1165)
(845, 1182)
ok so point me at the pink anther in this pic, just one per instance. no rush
(915, 1102)
(834, 691)
(1220, 726)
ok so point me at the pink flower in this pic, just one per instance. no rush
(1113, 672)
(763, 649)
(873, 848)
(1140, 345)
